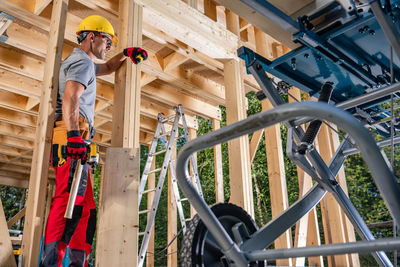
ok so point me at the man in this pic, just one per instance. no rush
(73, 131)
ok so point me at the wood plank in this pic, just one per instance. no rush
(16, 218)
(277, 181)
(169, 96)
(172, 229)
(151, 183)
(238, 149)
(254, 142)
(10, 181)
(219, 176)
(193, 135)
(117, 180)
(275, 164)
(39, 171)
(341, 177)
(118, 226)
(6, 251)
(210, 9)
(334, 231)
(191, 27)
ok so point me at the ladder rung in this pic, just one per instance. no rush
(181, 136)
(143, 211)
(188, 220)
(148, 191)
(170, 118)
(184, 199)
(155, 170)
(141, 233)
(158, 152)
(165, 134)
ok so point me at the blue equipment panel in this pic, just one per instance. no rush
(355, 56)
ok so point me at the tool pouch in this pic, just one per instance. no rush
(58, 156)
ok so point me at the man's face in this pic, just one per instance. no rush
(101, 45)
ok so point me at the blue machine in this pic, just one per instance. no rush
(343, 56)
(352, 51)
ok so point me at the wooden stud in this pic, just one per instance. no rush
(210, 9)
(117, 233)
(341, 177)
(238, 149)
(172, 251)
(151, 183)
(125, 133)
(219, 176)
(16, 217)
(232, 22)
(334, 230)
(193, 135)
(127, 80)
(41, 153)
(276, 164)
(6, 250)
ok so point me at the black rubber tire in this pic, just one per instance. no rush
(199, 248)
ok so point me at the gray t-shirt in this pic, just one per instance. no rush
(80, 68)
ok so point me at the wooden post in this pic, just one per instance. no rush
(307, 230)
(118, 225)
(334, 230)
(193, 135)
(172, 251)
(6, 251)
(219, 176)
(238, 149)
(126, 112)
(276, 164)
(210, 9)
(232, 21)
(151, 183)
(117, 233)
(341, 177)
(41, 152)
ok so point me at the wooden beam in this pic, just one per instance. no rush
(151, 183)
(193, 135)
(191, 27)
(6, 251)
(238, 149)
(219, 176)
(277, 180)
(172, 229)
(41, 154)
(341, 177)
(334, 231)
(254, 142)
(9, 181)
(117, 180)
(169, 96)
(210, 9)
(16, 218)
(118, 225)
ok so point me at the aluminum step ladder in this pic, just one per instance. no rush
(167, 140)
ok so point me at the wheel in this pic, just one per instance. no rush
(199, 248)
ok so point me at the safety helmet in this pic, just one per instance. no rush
(96, 23)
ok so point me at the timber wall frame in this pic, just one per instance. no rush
(192, 61)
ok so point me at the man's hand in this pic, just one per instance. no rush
(136, 54)
(76, 147)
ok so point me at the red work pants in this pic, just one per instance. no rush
(76, 233)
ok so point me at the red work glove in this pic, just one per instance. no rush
(136, 54)
(76, 147)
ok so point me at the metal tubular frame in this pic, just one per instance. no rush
(382, 174)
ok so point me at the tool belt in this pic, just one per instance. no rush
(58, 157)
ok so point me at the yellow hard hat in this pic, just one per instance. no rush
(97, 24)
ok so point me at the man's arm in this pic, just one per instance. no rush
(136, 54)
(111, 65)
(70, 106)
